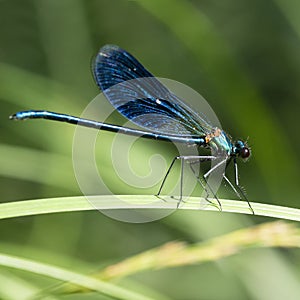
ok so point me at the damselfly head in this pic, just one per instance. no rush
(241, 149)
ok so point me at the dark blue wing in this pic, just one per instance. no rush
(141, 98)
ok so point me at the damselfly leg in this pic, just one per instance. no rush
(204, 182)
(191, 160)
(237, 188)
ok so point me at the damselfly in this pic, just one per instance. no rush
(151, 105)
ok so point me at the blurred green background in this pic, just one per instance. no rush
(242, 56)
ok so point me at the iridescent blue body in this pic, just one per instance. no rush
(221, 143)
(43, 114)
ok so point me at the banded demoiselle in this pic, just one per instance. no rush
(151, 105)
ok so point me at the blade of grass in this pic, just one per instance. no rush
(13, 287)
(69, 276)
(64, 261)
(108, 202)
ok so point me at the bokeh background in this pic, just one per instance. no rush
(242, 56)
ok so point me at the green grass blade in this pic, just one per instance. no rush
(80, 203)
(69, 276)
(13, 287)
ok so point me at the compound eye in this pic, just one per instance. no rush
(245, 152)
